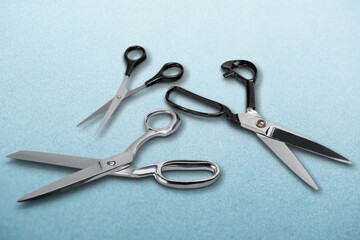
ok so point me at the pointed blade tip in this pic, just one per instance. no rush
(31, 196)
(97, 133)
(311, 183)
(24, 199)
(345, 160)
(99, 129)
(12, 155)
(80, 123)
(17, 154)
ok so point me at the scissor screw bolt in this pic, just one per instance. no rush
(261, 123)
(118, 97)
(111, 163)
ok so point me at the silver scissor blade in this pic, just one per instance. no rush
(83, 176)
(114, 104)
(289, 159)
(54, 159)
(97, 112)
(63, 161)
(298, 141)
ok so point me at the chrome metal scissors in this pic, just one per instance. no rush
(123, 93)
(120, 164)
(274, 136)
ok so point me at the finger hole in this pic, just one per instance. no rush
(186, 170)
(160, 120)
(172, 72)
(135, 54)
(193, 104)
(246, 73)
(183, 176)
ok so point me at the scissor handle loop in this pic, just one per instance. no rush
(229, 67)
(163, 76)
(222, 110)
(186, 165)
(164, 131)
(248, 82)
(132, 63)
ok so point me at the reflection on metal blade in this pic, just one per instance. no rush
(80, 177)
(54, 159)
(307, 144)
(289, 159)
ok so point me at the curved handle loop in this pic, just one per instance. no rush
(221, 108)
(155, 132)
(249, 82)
(167, 130)
(229, 72)
(186, 165)
(132, 63)
(162, 76)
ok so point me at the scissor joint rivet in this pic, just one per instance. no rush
(261, 123)
(111, 163)
(118, 97)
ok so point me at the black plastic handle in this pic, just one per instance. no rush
(161, 76)
(222, 110)
(132, 63)
(249, 82)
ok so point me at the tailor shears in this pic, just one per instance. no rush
(120, 164)
(274, 136)
(164, 75)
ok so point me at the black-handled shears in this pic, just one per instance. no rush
(162, 76)
(274, 136)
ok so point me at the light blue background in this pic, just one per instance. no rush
(60, 60)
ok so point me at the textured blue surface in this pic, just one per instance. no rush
(60, 60)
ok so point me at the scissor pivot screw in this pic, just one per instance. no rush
(261, 123)
(118, 97)
(111, 163)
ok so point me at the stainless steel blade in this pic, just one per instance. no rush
(252, 121)
(64, 161)
(115, 103)
(54, 159)
(306, 144)
(95, 171)
(97, 112)
(289, 159)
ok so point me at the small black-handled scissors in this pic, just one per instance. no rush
(120, 164)
(274, 136)
(162, 76)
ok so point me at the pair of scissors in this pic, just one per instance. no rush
(164, 75)
(120, 164)
(273, 136)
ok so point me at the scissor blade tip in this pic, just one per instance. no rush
(346, 161)
(80, 123)
(98, 131)
(312, 184)
(343, 160)
(24, 199)
(31, 196)
(12, 155)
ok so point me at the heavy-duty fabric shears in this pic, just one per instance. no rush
(164, 75)
(274, 136)
(120, 164)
